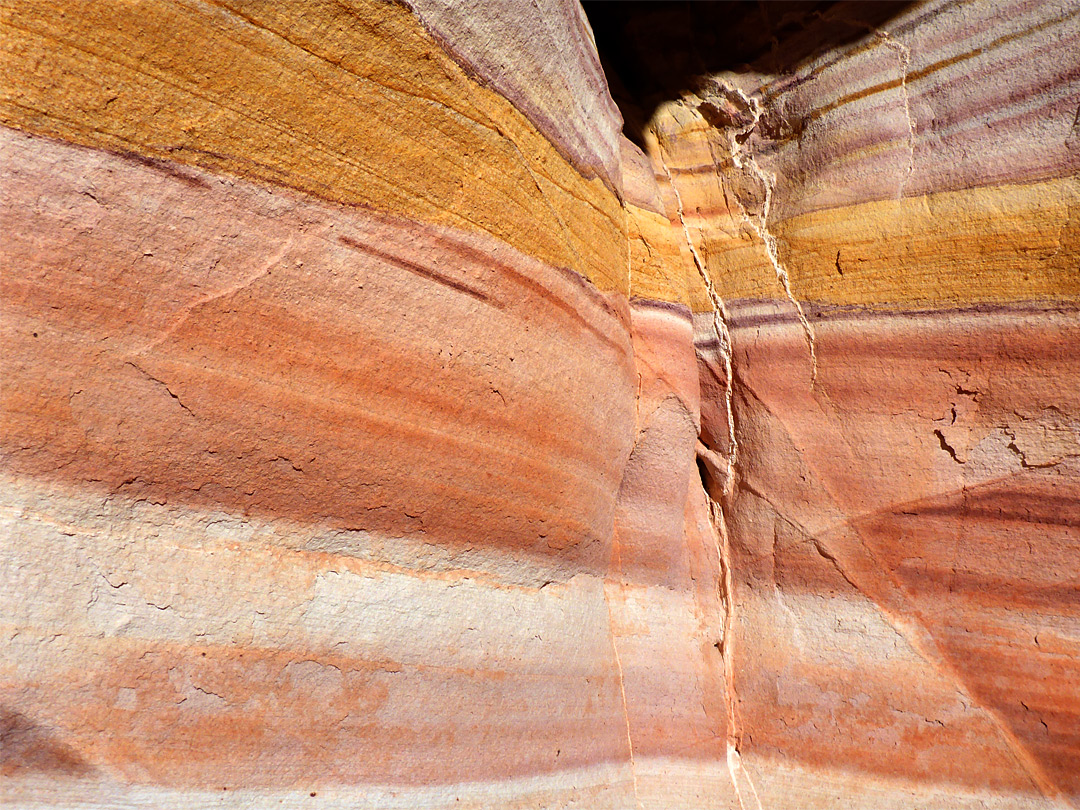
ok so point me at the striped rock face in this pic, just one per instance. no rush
(382, 428)
(889, 392)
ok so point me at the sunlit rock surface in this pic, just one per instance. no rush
(891, 226)
(498, 404)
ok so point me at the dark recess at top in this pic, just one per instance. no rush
(654, 51)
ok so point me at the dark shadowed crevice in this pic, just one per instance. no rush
(654, 51)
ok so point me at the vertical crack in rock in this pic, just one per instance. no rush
(717, 522)
(903, 56)
(719, 314)
(718, 525)
(626, 717)
(744, 160)
(622, 683)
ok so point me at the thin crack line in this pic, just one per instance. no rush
(725, 597)
(719, 323)
(622, 681)
(265, 270)
(626, 717)
(903, 55)
(745, 160)
(163, 384)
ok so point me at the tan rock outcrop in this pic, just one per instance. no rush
(381, 427)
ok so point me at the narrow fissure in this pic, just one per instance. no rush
(679, 55)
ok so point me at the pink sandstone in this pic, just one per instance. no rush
(507, 405)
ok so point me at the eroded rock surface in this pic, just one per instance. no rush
(382, 427)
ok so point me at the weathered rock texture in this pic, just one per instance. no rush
(382, 428)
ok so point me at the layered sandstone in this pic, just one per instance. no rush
(382, 427)
(894, 253)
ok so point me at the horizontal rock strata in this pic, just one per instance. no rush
(383, 428)
(909, 539)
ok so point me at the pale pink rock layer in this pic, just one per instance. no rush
(189, 648)
(933, 474)
(343, 335)
(541, 57)
(948, 96)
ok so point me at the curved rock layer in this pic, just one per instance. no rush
(897, 256)
(354, 103)
(907, 536)
(931, 164)
(381, 428)
(314, 427)
(249, 412)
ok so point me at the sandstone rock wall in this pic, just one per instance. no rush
(891, 229)
(383, 428)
